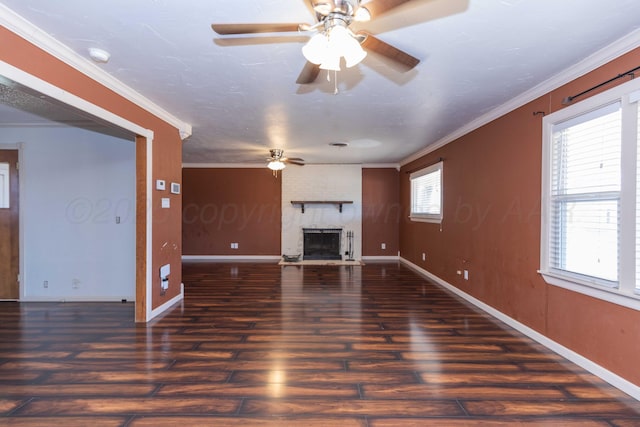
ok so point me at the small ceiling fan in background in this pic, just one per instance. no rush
(277, 161)
(333, 39)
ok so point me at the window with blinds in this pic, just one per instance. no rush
(590, 240)
(585, 195)
(426, 194)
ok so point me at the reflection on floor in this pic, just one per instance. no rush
(321, 262)
(261, 344)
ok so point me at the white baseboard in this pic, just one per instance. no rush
(603, 373)
(161, 309)
(381, 258)
(75, 299)
(200, 258)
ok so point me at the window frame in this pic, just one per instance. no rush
(426, 217)
(624, 291)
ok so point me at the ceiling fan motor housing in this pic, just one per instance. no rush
(276, 153)
(346, 7)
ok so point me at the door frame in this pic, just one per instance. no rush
(18, 147)
(144, 180)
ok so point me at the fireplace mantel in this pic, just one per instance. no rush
(338, 203)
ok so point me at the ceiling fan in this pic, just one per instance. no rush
(333, 39)
(277, 161)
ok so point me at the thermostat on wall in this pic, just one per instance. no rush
(160, 185)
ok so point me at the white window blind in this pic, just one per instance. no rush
(585, 195)
(426, 194)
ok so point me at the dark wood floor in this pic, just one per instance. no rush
(259, 344)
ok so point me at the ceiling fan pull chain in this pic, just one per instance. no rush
(335, 82)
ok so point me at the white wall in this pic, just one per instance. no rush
(321, 182)
(74, 183)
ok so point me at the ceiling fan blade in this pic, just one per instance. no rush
(253, 28)
(379, 7)
(308, 74)
(376, 45)
(258, 40)
(294, 162)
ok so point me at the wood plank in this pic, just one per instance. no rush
(66, 421)
(549, 408)
(428, 391)
(325, 377)
(118, 405)
(273, 390)
(248, 421)
(288, 407)
(479, 422)
(80, 390)
(154, 376)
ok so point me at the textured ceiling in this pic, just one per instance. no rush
(240, 95)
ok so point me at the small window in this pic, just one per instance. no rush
(426, 194)
(4, 186)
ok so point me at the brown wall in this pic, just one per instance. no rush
(491, 227)
(222, 206)
(380, 212)
(167, 146)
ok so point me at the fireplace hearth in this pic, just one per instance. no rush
(322, 243)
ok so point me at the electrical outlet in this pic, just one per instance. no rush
(234, 246)
(117, 220)
(466, 275)
(75, 283)
(383, 246)
(45, 284)
(424, 256)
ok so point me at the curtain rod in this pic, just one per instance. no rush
(440, 159)
(569, 99)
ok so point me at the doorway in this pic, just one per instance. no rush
(9, 226)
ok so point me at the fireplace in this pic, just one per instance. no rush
(322, 243)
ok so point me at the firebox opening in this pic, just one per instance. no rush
(322, 243)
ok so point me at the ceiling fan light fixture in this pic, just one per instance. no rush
(316, 49)
(352, 51)
(343, 44)
(331, 63)
(276, 165)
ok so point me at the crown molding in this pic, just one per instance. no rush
(261, 165)
(590, 63)
(34, 35)
(381, 166)
(224, 165)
